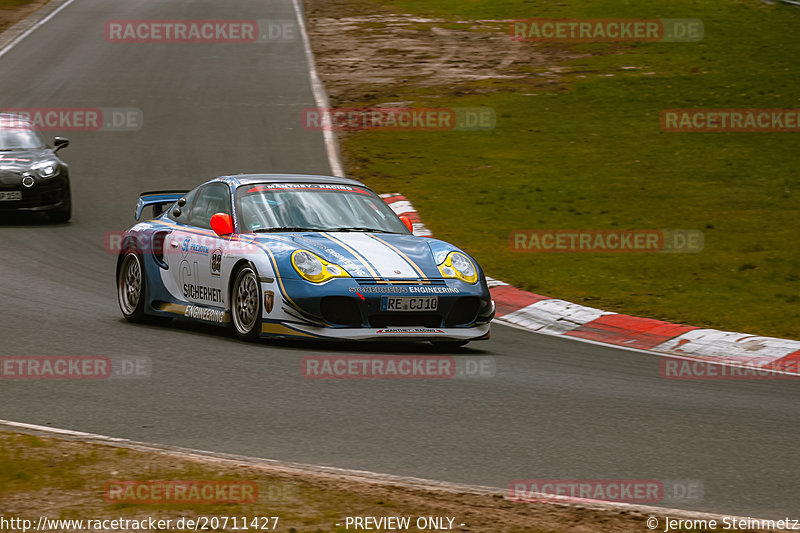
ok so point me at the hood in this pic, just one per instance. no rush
(13, 164)
(364, 255)
(18, 160)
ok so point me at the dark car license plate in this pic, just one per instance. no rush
(10, 196)
(406, 303)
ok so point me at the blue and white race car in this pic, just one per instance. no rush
(295, 256)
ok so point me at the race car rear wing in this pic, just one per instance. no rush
(158, 199)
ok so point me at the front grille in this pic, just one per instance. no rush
(10, 181)
(9, 176)
(340, 310)
(464, 311)
(406, 320)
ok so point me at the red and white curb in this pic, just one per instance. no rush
(551, 316)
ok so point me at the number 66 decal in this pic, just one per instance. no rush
(216, 262)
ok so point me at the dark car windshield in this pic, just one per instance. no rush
(313, 207)
(19, 139)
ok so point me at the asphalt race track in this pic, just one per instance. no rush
(555, 409)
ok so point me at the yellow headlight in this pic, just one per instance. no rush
(313, 268)
(458, 266)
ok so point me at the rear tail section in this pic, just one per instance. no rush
(157, 199)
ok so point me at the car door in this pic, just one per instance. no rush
(176, 244)
(196, 251)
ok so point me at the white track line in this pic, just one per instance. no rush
(362, 476)
(320, 96)
(33, 28)
(282, 466)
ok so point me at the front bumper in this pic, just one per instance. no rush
(355, 305)
(45, 195)
(275, 329)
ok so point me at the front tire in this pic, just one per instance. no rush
(246, 304)
(131, 287)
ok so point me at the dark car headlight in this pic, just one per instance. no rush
(46, 169)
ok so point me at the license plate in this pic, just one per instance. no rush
(8, 196)
(405, 303)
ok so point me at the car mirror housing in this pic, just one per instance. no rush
(407, 222)
(222, 224)
(60, 142)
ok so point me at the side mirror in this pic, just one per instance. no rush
(59, 143)
(222, 224)
(407, 222)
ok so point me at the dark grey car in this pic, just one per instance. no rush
(32, 176)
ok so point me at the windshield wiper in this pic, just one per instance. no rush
(357, 229)
(344, 229)
(274, 230)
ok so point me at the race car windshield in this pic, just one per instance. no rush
(313, 207)
(19, 139)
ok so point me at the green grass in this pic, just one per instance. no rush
(19, 472)
(589, 154)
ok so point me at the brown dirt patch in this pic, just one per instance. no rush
(366, 53)
(12, 11)
(64, 478)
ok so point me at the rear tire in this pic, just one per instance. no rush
(246, 304)
(131, 287)
(132, 300)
